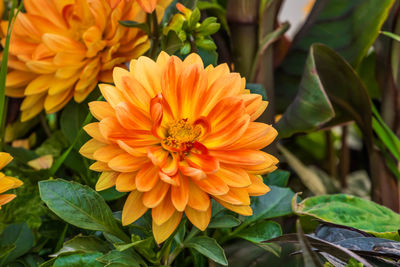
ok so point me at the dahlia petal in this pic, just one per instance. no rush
(162, 59)
(126, 163)
(90, 147)
(101, 110)
(200, 219)
(257, 187)
(59, 85)
(164, 211)
(118, 73)
(32, 112)
(236, 196)
(107, 153)
(147, 177)
(8, 183)
(194, 173)
(99, 166)
(93, 130)
(17, 78)
(112, 94)
(54, 103)
(192, 59)
(157, 155)
(126, 182)
(169, 83)
(134, 151)
(148, 74)
(212, 185)
(41, 66)
(154, 197)
(133, 208)
(180, 194)
(39, 85)
(241, 209)
(147, 5)
(171, 166)
(59, 43)
(233, 176)
(207, 163)
(131, 117)
(241, 157)
(257, 136)
(172, 180)
(5, 158)
(5, 198)
(135, 93)
(163, 231)
(106, 180)
(259, 111)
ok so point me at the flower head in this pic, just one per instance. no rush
(6, 182)
(61, 49)
(175, 134)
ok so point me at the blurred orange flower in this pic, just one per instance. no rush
(174, 134)
(61, 48)
(6, 182)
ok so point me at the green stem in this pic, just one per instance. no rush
(3, 125)
(155, 34)
(61, 239)
(44, 124)
(179, 249)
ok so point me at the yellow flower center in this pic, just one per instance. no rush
(181, 134)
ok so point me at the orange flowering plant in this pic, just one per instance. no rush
(163, 133)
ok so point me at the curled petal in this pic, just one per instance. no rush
(207, 163)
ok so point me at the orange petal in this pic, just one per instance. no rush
(154, 197)
(5, 158)
(241, 157)
(171, 166)
(163, 231)
(133, 208)
(112, 94)
(198, 199)
(93, 130)
(233, 176)
(99, 166)
(7, 183)
(243, 210)
(257, 187)
(148, 6)
(107, 153)
(157, 155)
(90, 147)
(194, 173)
(200, 219)
(126, 163)
(212, 185)
(131, 117)
(106, 180)
(180, 194)
(172, 180)
(5, 198)
(257, 136)
(126, 182)
(39, 85)
(207, 163)
(147, 177)
(236, 196)
(164, 211)
(101, 110)
(59, 43)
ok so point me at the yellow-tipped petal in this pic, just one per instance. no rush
(163, 231)
(133, 208)
(200, 219)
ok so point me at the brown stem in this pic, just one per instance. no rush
(344, 163)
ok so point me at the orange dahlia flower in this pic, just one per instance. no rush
(61, 48)
(175, 134)
(6, 182)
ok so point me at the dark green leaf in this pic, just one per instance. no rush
(351, 211)
(6, 249)
(208, 57)
(209, 248)
(277, 178)
(79, 205)
(18, 235)
(275, 203)
(79, 260)
(310, 257)
(71, 121)
(261, 231)
(256, 88)
(111, 194)
(172, 43)
(128, 258)
(224, 221)
(135, 24)
(194, 19)
(341, 25)
(86, 244)
(367, 72)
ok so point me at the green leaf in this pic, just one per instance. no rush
(135, 24)
(18, 235)
(274, 204)
(277, 178)
(339, 24)
(71, 121)
(256, 88)
(224, 221)
(79, 260)
(128, 258)
(367, 72)
(80, 206)
(206, 44)
(111, 194)
(54, 145)
(172, 43)
(209, 248)
(391, 35)
(6, 249)
(310, 257)
(351, 211)
(329, 82)
(84, 244)
(194, 19)
(208, 57)
(261, 231)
